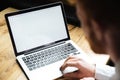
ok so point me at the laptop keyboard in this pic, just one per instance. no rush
(48, 56)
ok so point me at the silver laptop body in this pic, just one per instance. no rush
(41, 40)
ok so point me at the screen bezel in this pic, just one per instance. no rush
(30, 10)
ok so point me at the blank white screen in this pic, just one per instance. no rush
(36, 28)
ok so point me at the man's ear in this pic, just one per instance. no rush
(98, 30)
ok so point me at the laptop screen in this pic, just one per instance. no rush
(37, 28)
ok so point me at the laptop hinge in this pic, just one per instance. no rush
(43, 47)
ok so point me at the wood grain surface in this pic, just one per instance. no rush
(9, 69)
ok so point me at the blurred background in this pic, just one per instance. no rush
(69, 6)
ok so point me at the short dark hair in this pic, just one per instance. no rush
(105, 12)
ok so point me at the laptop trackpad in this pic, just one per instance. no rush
(48, 72)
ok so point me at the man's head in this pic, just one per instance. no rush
(100, 21)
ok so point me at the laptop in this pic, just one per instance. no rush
(41, 41)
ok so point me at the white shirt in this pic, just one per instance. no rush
(105, 72)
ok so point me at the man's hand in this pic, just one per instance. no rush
(84, 69)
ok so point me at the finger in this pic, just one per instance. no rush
(67, 60)
(63, 66)
(72, 57)
(69, 64)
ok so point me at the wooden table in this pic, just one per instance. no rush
(9, 69)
